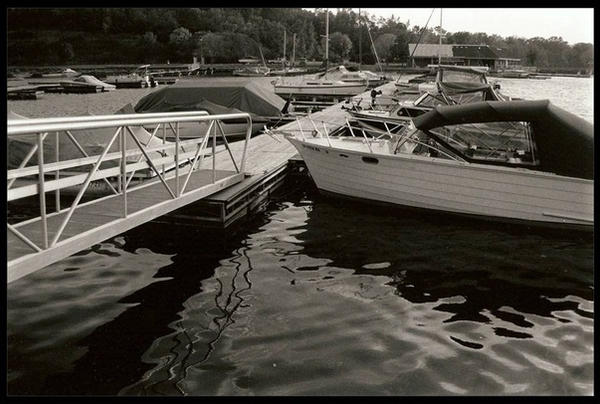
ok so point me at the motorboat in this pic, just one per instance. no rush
(524, 161)
(136, 79)
(454, 85)
(323, 87)
(216, 96)
(87, 83)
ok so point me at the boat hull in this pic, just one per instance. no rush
(339, 90)
(448, 186)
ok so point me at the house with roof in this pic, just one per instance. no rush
(495, 59)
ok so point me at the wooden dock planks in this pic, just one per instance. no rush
(101, 219)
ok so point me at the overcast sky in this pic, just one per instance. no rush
(572, 24)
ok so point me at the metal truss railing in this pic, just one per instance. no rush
(82, 171)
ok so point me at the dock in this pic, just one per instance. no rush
(226, 182)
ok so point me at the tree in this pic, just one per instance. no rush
(339, 46)
(383, 44)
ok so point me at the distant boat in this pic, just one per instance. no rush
(249, 60)
(252, 71)
(216, 96)
(514, 74)
(87, 83)
(65, 73)
(136, 79)
(322, 85)
(524, 161)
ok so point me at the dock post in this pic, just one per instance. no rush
(123, 172)
(57, 174)
(248, 134)
(214, 153)
(44, 222)
(177, 159)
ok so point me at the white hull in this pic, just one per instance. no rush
(446, 185)
(321, 89)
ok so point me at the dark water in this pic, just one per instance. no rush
(314, 296)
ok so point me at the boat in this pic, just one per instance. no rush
(86, 83)
(216, 96)
(517, 161)
(454, 85)
(253, 70)
(139, 78)
(68, 72)
(514, 74)
(321, 85)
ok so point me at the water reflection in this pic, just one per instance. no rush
(501, 272)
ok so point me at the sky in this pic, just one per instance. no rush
(572, 24)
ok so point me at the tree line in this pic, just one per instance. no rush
(224, 35)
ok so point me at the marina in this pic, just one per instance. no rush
(427, 233)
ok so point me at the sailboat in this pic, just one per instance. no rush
(253, 71)
(317, 85)
(285, 70)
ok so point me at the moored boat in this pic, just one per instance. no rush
(525, 161)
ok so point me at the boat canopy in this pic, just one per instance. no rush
(248, 95)
(564, 141)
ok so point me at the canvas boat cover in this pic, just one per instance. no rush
(197, 104)
(92, 141)
(564, 141)
(248, 95)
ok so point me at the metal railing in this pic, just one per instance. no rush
(124, 161)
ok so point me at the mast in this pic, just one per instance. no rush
(440, 48)
(359, 41)
(374, 50)
(284, 43)
(326, 42)
(294, 50)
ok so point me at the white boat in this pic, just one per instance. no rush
(251, 71)
(318, 88)
(136, 79)
(513, 161)
(86, 81)
(322, 85)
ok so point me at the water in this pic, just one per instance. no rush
(314, 296)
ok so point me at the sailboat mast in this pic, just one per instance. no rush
(440, 48)
(284, 43)
(326, 40)
(359, 41)
(294, 50)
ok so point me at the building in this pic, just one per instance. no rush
(464, 55)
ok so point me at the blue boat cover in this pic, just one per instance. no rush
(564, 141)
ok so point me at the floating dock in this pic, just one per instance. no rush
(236, 179)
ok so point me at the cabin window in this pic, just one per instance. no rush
(370, 160)
(501, 142)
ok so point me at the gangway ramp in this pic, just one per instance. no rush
(38, 242)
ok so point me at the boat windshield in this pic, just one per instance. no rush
(509, 143)
(453, 76)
